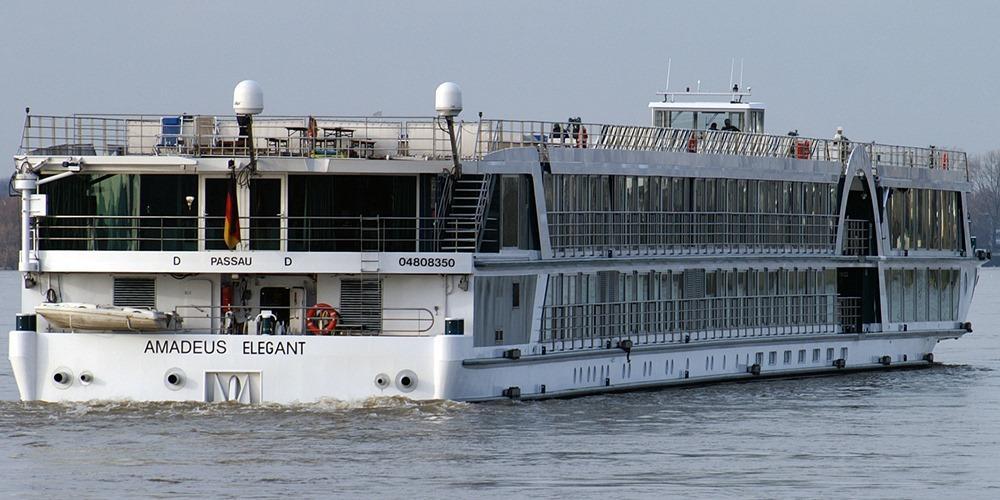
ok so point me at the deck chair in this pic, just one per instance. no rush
(170, 132)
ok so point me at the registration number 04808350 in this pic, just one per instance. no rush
(426, 262)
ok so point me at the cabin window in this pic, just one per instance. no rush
(265, 214)
(515, 295)
(756, 124)
(350, 213)
(121, 212)
(683, 119)
(513, 203)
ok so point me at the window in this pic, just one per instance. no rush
(829, 354)
(515, 299)
(772, 358)
(759, 358)
(788, 357)
(125, 212)
(815, 355)
(843, 353)
(802, 355)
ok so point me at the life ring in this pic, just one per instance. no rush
(321, 319)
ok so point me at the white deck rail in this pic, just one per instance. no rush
(425, 138)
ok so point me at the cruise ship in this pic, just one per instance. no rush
(282, 259)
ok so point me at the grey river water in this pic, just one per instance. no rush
(900, 434)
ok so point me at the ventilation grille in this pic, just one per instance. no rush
(135, 292)
(361, 304)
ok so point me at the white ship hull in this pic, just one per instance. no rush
(300, 369)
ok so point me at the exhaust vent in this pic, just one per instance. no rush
(361, 304)
(135, 292)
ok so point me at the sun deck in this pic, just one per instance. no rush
(424, 138)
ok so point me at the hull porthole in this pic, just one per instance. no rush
(382, 381)
(174, 379)
(406, 381)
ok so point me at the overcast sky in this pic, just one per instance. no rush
(914, 73)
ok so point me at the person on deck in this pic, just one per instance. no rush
(729, 127)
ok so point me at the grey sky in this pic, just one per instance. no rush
(914, 73)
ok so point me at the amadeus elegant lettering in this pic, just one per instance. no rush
(250, 347)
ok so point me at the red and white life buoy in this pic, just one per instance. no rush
(321, 319)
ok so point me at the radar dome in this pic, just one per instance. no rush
(448, 99)
(248, 98)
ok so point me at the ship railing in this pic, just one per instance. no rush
(914, 157)
(242, 320)
(286, 233)
(849, 313)
(424, 138)
(497, 135)
(674, 321)
(858, 238)
(678, 321)
(221, 136)
(626, 233)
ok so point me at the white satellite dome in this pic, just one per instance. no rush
(248, 98)
(448, 99)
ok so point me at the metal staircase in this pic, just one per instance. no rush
(462, 225)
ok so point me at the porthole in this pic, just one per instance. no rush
(382, 381)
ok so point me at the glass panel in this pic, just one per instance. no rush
(509, 216)
(265, 214)
(682, 119)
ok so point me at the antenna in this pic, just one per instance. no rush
(732, 65)
(741, 72)
(668, 76)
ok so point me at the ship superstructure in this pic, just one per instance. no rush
(263, 258)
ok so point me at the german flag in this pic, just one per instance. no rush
(231, 230)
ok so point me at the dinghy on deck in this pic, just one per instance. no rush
(79, 316)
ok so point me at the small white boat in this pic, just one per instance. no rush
(79, 316)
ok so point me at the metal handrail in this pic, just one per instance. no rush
(422, 317)
(857, 237)
(503, 134)
(627, 232)
(358, 233)
(572, 326)
(208, 136)
(421, 137)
